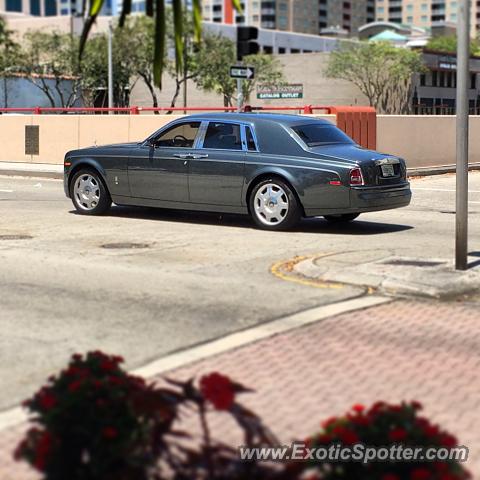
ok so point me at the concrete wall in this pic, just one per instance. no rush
(422, 140)
(307, 69)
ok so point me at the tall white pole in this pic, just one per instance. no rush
(110, 66)
(462, 109)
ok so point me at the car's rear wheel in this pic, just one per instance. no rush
(88, 193)
(343, 218)
(273, 205)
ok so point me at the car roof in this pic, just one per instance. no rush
(285, 119)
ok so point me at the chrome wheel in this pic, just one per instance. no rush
(86, 191)
(271, 204)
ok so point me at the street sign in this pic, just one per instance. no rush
(291, 90)
(239, 71)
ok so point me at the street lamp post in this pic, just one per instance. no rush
(462, 110)
(110, 66)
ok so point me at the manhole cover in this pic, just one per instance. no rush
(15, 237)
(413, 263)
(125, 245)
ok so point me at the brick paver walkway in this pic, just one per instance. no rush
(403, 350)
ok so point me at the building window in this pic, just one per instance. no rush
(64, 11)
(255, 18)
(422, 80)
(50, 8)
(14, 5)
(424, 18)
(453, 17)
(410, 8)
(380, 9)
(34, 7)
(281, 50)
(473, 81)
(409, 19)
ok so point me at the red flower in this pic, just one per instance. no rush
(218, 389)
(447, 440)
(420, 474)
(348, 437)
(361, 420)
(416, 405)
(47, 400)
(397, 435)
(358, 408)
(74, 386)
(108, 365)
(329, 422)
(42, 450)
(109, 432)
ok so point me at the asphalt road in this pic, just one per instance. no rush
(193, 277)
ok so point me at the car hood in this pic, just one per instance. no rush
(348, 153)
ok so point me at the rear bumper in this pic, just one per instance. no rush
(370, 199)
(365, 199)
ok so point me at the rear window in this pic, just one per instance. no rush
(319, 134)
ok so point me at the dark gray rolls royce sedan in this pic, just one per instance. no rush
(277, 168)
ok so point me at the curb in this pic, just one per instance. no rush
(426, 171)
(17, 415)
(31, 173)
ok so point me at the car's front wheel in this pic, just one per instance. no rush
(273, 205)
(343, 218)
(88, 193)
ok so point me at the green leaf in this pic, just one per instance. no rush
(160, 33)
(178, 26)
(126, 10)
(197, 20)
(94, 10)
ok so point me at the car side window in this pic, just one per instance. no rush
(181, 136)
(223, 135)
(251, 145)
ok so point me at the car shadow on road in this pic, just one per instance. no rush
(307, 225)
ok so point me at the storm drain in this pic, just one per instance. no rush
(125, 245)
(413, 263)
(15, 237)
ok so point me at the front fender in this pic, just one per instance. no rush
(75, 165)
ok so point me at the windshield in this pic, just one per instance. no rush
(316, 134)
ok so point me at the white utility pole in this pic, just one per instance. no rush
(110, 66)
(462, 109)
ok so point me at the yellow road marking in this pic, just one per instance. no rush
(278, 270)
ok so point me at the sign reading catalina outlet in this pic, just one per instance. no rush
(290, 90)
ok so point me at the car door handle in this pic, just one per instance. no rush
(203, 155)
(182, 155)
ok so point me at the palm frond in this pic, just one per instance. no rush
(149, 8)
(178, 26)
(126, 10)
(197, 20)
(159, 42)
(237, 6)
(94, 10)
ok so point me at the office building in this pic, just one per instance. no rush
(303, 16)
(424, 13)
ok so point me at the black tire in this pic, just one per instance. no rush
(287, 217)
(343, 218)
(97, 201)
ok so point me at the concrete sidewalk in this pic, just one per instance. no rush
(43, 170)
(401, 350)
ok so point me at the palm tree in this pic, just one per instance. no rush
(156, 9)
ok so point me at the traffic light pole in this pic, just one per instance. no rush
(239, 94)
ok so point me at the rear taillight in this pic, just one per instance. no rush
(356, 177)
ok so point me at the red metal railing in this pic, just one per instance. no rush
(135, 110)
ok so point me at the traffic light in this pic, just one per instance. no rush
(245, 46)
